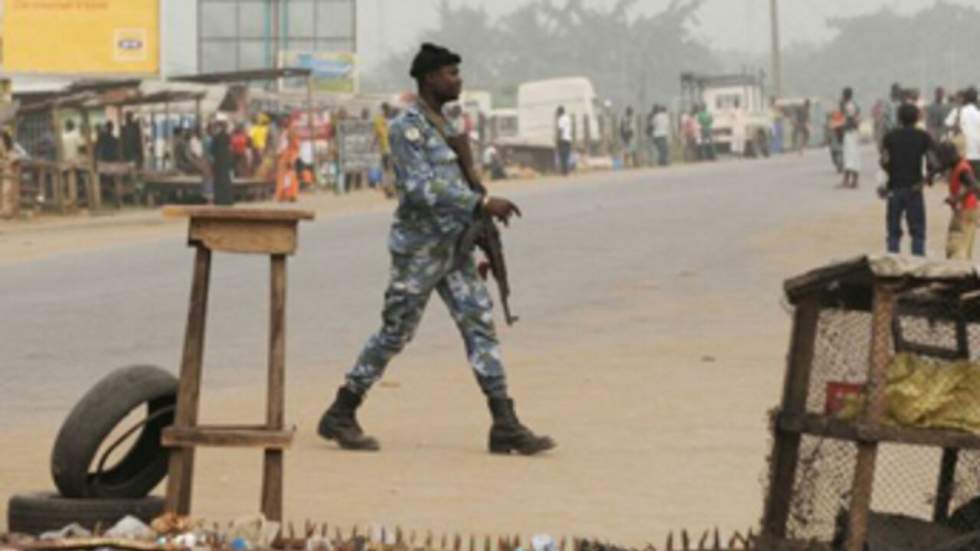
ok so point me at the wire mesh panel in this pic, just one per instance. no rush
(843, 343)
(906, 482)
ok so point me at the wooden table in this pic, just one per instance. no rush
(247, 231)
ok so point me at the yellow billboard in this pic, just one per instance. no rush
(78, 37)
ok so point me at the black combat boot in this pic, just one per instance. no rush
(508, 434)
(340, 423)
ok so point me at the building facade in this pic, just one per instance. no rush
(255, 34)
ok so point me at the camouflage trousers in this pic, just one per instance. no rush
(413, 278)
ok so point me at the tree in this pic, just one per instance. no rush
(631, 59)
(870, 52)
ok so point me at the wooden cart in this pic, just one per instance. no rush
(849, 321)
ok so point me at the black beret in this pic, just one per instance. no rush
(432, 57)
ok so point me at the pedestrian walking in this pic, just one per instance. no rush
(970, 127)
(834, 128)
(563, 139)
(626, 136)
(801, 127)
(222, 162)
(9, 176)
(902, 155)
(936, 115)
(707, 122)
(778, 133)
(661, 135)
(851, 142)
(131, 137)
(288, 169)
(107, 144)
(436, 205)
(691, 135)
(240, 151)
(738, 130)
(650, 142)
(72, 143)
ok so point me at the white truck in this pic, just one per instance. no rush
(721, 94)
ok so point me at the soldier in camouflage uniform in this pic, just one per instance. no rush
(435, 207)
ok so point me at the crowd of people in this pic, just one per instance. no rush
(918, 144)
(265, 146)
(692, 132)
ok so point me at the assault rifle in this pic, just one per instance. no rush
(483, 233)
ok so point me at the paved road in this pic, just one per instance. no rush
(651, 344)
(68, 319)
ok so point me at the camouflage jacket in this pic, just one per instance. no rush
(435, 204)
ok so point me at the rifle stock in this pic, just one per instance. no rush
(484, 233)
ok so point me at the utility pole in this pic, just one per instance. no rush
(777, 64)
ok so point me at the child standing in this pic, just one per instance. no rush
(962, 199)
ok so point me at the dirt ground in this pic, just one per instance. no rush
(597, 483)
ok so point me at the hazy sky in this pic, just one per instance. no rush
(391, 25)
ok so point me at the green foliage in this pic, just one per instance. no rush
(637, 59)
(932, 47)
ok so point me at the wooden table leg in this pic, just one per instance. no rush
(181, 473)
(786, 447)
(944, 488)
(883, 310)
(272, 476)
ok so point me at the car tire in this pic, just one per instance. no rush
(41, 512)
(91, 420)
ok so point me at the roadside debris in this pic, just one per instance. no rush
(255, 533)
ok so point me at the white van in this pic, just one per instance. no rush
(537, 102)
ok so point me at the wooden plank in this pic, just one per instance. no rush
(883, 310)
(235, 213)
(944, 487)
(272, 484)
(94, 543)
(272, 475)
(782, 476)
(203, 435)
(181, 470)
(822, 425)
(244, 236)
(817, 281)
(276, 403)
(115, 168)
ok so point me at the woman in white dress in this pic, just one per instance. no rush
(852, 141)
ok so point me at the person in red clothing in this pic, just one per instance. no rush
(963, 200)
(239, 151)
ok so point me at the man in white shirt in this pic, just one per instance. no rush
(970, 126)
(564, 139)
(71, 142)
(661, 135)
